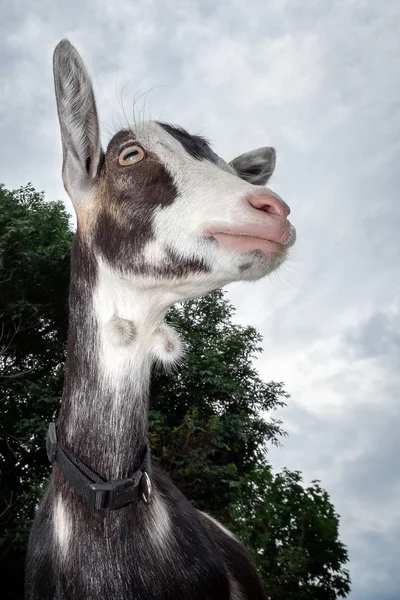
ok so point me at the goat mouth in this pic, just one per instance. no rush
(247, 243)
(249, 239)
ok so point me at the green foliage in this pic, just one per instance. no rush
(210, 431)
(208, 424)
(35, 243)
(213, 437)
(292, 533)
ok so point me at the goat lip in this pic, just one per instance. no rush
(247, 243)
(278, 235)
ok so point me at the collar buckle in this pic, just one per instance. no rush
(115, 493)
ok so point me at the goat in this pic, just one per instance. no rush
(160, 219)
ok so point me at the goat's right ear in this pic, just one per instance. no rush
(77, 113)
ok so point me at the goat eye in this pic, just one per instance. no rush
(131, 155)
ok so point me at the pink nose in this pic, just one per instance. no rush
(269, 203)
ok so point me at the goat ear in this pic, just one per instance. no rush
(77, 114)
(256, 166)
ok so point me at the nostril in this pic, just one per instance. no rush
(269, 204)
(270, 208)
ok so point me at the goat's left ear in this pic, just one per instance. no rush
(256, 166)
(77, 113)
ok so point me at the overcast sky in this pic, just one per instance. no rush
(319, 80)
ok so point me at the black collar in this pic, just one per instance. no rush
(97, 492)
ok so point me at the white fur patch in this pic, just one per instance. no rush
(153, 253)
(62, 526)
(224, 529)
(124, 344)
(121, 332)
(167, 347)
(160, 522)
(130, 313)
(236, 593)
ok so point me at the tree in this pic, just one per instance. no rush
(209, 433)
(35, 243)
(207, 427)
(293, 534)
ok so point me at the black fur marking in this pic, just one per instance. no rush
(124, 225)
(195, 145)
(245, 267)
